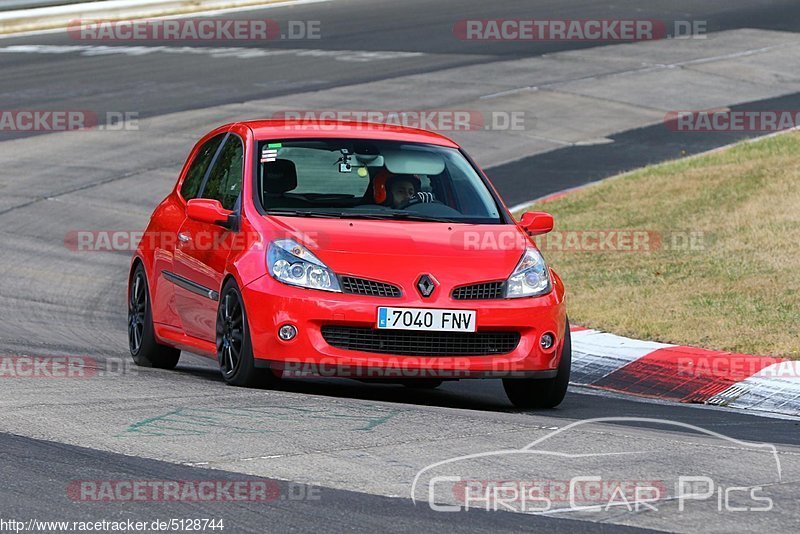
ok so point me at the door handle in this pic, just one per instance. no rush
(183, 238)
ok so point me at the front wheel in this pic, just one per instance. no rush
(145, 350)
(234, 347)
(542, 392)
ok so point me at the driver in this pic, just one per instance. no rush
(400, 189)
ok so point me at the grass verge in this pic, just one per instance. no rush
(716, 261)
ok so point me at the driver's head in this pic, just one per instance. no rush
(400, 189)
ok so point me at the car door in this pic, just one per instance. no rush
(202, 250)
(165, 227)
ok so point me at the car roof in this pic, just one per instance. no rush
(269, 129)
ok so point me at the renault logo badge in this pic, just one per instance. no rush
(426, 285)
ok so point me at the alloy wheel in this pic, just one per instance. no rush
(137, 306)
(230, 321)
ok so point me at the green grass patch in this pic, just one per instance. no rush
(724, 270)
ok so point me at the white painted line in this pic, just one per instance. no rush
(106, 6)
(203, 13)
(732, 55)
(509, 92)
(70, 9)
(355, 56)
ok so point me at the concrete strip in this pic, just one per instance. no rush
(567, 98)
(781, 69)
(654, 90)
(575, 97)
(717, 46)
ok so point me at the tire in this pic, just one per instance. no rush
(145, 350)
(423, 383)
(234, 346)
(542, 392)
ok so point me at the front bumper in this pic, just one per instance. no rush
(270, 305)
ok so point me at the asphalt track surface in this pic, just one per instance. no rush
(48, 468)
(53, 302)
(155, 85)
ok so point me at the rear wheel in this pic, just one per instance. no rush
(145, 350)
(542, 392)
(234, 347)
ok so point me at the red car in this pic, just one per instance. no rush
(349, 250)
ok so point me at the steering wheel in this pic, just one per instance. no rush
(421, 197)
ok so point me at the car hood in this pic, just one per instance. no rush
(489, 251)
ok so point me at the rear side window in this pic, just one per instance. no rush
(197, 170)
(225, 181)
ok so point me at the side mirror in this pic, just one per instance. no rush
(536, 222)
(209, 211)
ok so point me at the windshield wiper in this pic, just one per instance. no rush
(419, 217)
(396, 215)
(360, 215)
(305, 213)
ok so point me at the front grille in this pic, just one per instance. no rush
(371, 288)
(411, 343)
(484, 291)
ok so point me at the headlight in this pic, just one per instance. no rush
(291, 263)
(531, 278)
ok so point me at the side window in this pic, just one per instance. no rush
(225, 181)
(194, 176)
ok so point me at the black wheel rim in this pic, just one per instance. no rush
(230, 333)
(137, 306)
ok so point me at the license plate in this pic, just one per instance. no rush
(426, 319)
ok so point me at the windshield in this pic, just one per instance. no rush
(371, 179)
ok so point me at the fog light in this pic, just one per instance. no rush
(547, 341)
(287, 332)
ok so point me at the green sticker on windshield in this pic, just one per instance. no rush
(274, 145)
